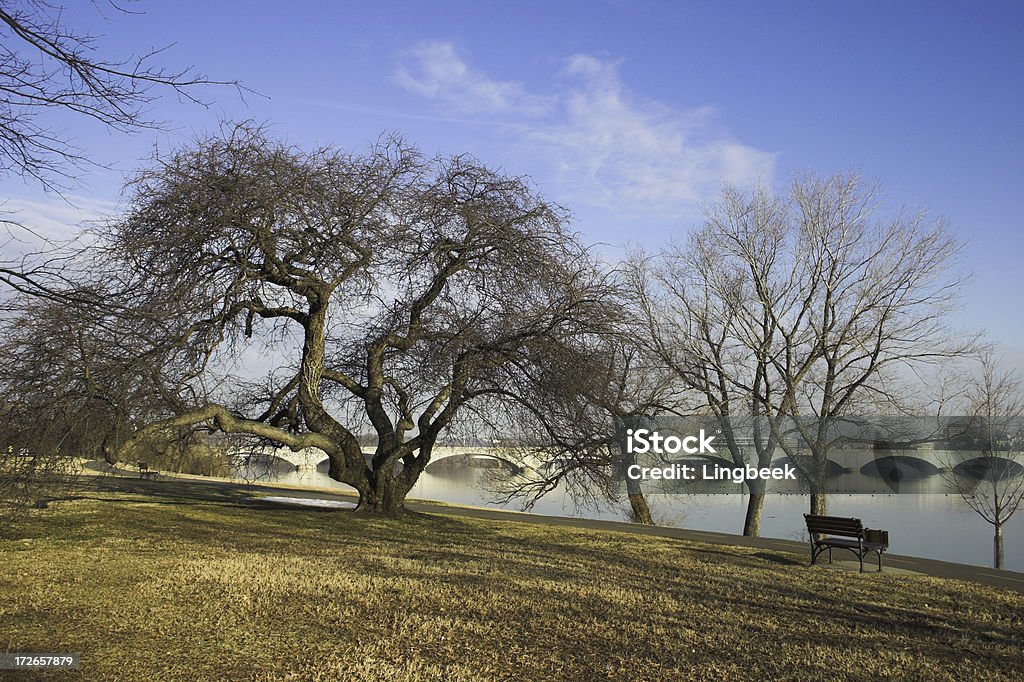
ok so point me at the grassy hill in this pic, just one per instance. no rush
(159, 587)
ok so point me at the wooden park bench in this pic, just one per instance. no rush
(835, 531)
(146, 472)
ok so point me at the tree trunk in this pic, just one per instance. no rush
(997, 546)
(819, 504)
(641, 513)
(755, 503)
(383, 495)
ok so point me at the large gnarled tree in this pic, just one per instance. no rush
(386, 290)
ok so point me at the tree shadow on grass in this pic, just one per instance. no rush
(173, 491)
(278, 525)
(781, 559)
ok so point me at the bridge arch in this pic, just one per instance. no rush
(262, 463)
(989, 468)
(896, 468)
(473, 460)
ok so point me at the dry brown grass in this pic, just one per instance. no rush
(153, 588)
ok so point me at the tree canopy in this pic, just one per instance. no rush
(382, 290)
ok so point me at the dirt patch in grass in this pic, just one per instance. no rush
(156, 589)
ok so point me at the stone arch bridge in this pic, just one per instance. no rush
(855, 469)
(443, 458)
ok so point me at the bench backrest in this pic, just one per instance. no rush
(834, 525)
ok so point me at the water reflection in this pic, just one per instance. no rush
(927, 524)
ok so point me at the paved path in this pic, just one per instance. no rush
(215, 489)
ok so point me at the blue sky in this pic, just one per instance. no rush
(629, 113)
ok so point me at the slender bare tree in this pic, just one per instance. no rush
(989, 477)
(712, 307)
(877, 292)
(591, 390)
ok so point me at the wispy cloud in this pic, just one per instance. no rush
(28, 225)
(603, 145)
(435, 70)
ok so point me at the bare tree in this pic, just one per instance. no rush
(713, 308)
(46, 65)
(877, 293)
(792, 313)
(990, 475)
(394, 291)
(49, 69)
(590, 391)
(77, 380)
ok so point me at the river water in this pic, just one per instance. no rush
(931, 524)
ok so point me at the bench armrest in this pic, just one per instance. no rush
(876, 537)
